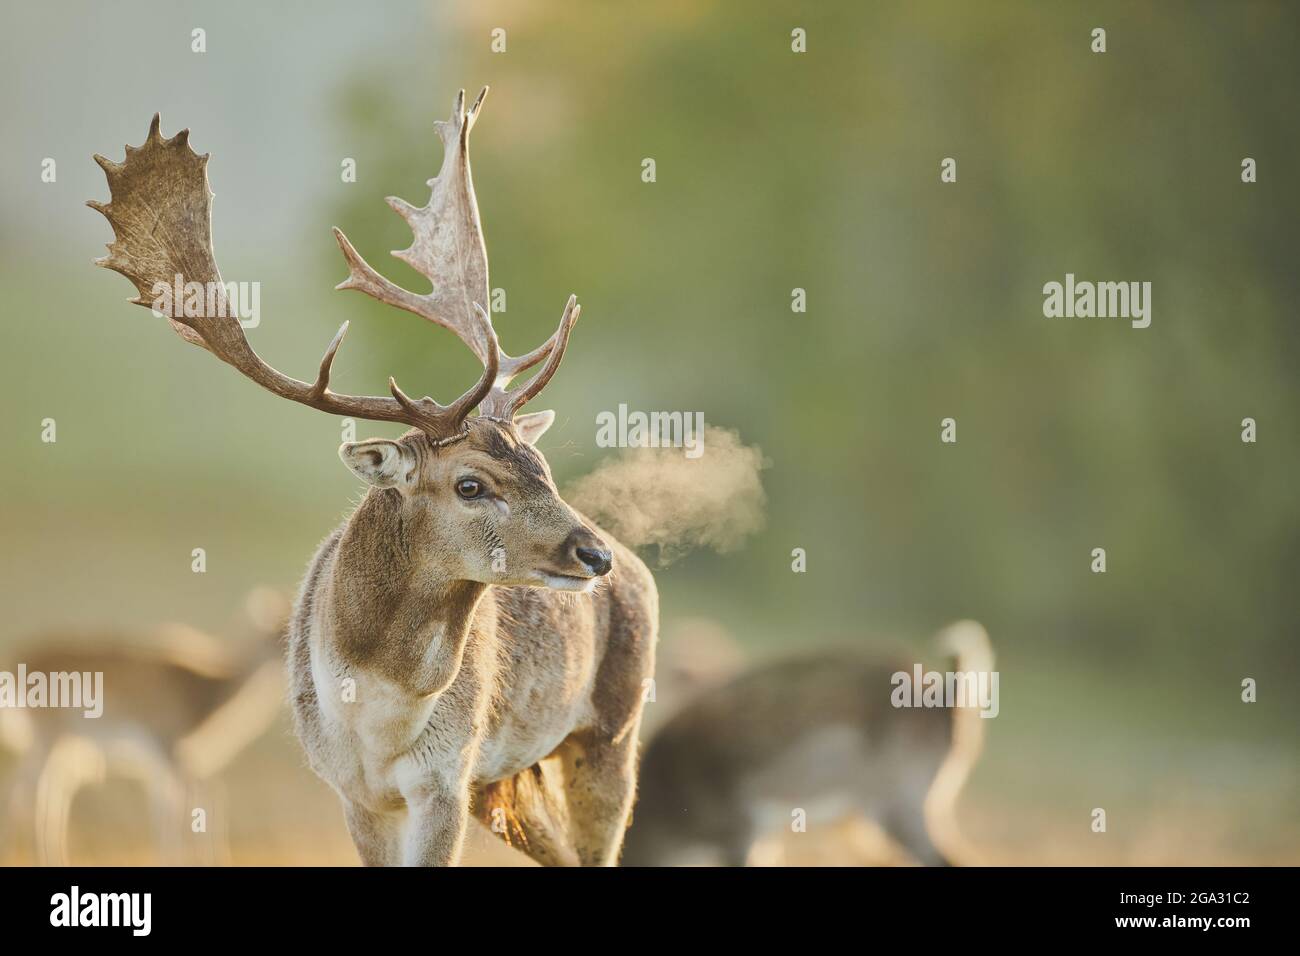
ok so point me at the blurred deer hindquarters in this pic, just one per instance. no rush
(818, 734)
(179, 708)
(465, 639)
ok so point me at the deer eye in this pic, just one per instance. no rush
(468, 488)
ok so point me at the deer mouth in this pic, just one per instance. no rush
(567, 582)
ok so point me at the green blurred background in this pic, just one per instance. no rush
(775, 170)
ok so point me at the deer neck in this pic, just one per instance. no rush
(390, 613)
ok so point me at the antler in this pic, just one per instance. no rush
(160, 212)
(448, 249)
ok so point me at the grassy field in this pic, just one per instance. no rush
(1218, 801)
(1187, 774)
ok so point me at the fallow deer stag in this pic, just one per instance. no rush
(466, 640)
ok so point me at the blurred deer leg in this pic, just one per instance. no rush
(736, 847)
(53, 809)
(218, 822)
(199, 807)
(18, 825)
(864, 842)
(209, 845)
(767, 851)
(599, 785)
(145, 763)
(167, 809)
(906, 824)
(73, 762)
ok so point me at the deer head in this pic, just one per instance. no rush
(476, 499)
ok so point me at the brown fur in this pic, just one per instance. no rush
(816, 732)
(525, 697)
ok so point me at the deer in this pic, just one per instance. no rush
(722, 776)
(179, 707)
(465, 643)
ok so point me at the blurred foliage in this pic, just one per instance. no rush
(820, 171)
(775, 171)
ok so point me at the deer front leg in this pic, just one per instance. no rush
(377, 836)
(599, 785)
(435, 827)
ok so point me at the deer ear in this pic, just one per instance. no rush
(533, 425)
(379, 462)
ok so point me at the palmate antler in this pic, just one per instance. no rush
(161, 217)
(448, 250)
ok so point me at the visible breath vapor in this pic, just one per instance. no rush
(658, 496)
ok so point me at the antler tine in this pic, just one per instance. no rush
(322, 383)
(447, 242)
(533, 387)
(503, 402)
(473, 110)
(365, 279)
(462, 406)
(160, 211)
(448, 248)
(512, 367)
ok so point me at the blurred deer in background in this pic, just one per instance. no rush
(720, 780)
(465, 639)
(178, 708)
(694, 654)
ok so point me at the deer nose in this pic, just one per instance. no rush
(597, 560)
(586, 547)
